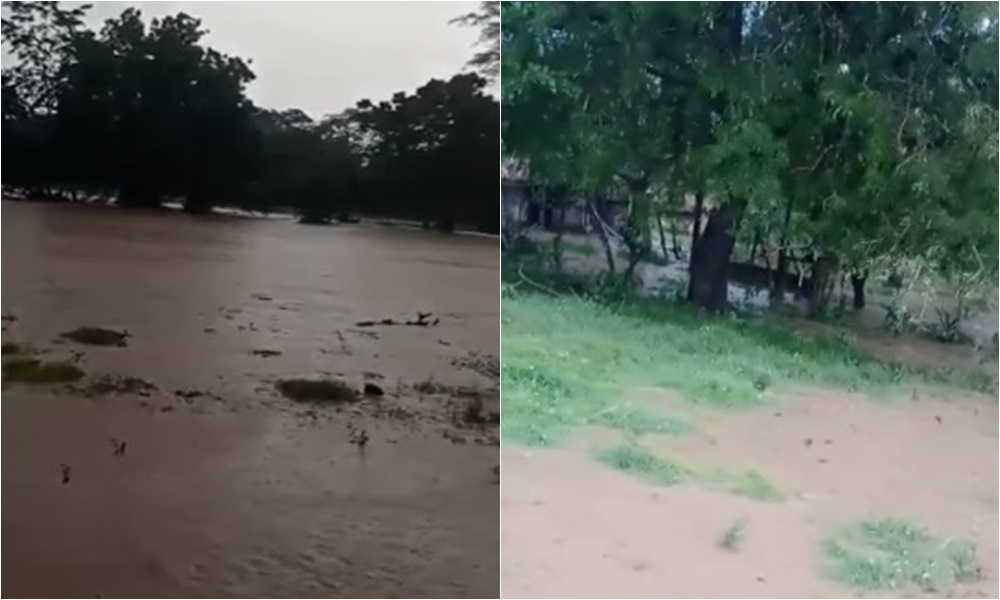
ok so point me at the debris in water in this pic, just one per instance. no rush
(67, 472)
(118, 447)
(373, 390)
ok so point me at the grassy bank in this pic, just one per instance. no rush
(566, 362)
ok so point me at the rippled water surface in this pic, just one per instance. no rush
(226, 488)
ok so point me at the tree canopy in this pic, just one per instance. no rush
(865, 132)
(144, 112)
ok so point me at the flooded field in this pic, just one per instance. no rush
(173, 467)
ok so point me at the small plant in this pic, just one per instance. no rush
(732, 537)
(317, 390)
(639, 462)
(897, 317)
(890, 554)
(97, 336)
(35, 371)
(946, 329)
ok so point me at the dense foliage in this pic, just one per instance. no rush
(144, 114)
(860, 134)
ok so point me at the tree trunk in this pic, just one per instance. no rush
(636, 234)
(708, 286)
(754, 243)
(602, 233)
(674, 243)
(559, 225)
(858, 280)
(699, 205)
(663, 237)
(824, 271)
(780, 277)
(135, 196)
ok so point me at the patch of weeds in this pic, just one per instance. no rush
(8, 348)
(732, 537)
(36, 371)
(317, 390)
(890, 554)
(432, 388)
(473, 411)
(639, 462)
(115, 384)
(754, 485)
(97, 336)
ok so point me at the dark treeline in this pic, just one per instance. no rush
(144, 113)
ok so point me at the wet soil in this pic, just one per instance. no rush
(574, 528)
(224, 488)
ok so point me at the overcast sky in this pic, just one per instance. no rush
(323, 57)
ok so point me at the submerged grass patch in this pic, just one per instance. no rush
(566, 362)
(317, 390)
(639, 462)
(754, 485)
(115, 384)
(97, 336)
(890, 554)
(8, 348)
(37, 371)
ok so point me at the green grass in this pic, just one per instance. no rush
(567, 362)
(636, 461)
(891, 554)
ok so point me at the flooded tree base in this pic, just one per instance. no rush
(182, 471)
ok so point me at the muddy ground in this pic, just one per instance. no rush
(575, 528)
(224, 488)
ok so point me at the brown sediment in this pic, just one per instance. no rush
(227, 489)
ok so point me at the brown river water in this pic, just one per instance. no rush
(225, 488)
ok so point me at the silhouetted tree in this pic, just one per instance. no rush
(145, 114)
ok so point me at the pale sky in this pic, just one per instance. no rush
(322, 57)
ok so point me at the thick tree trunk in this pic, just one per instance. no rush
(708, 286)
(858, 281)
(824, 273)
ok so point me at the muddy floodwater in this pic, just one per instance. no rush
(195, 478)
